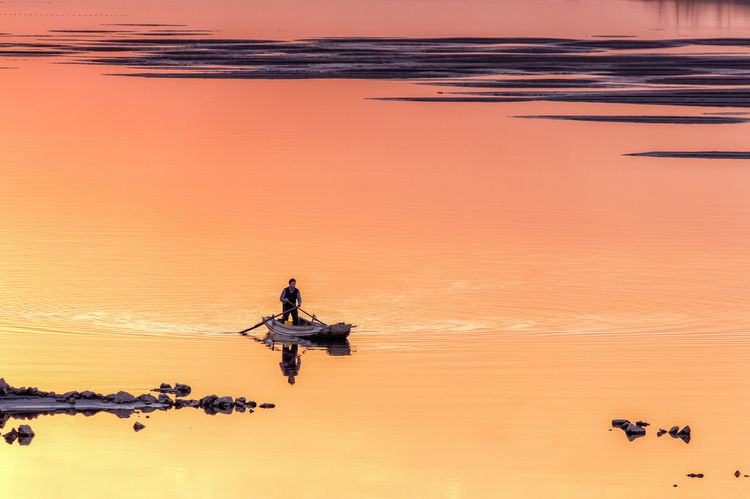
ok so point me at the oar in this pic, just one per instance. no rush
(313, 317)
(244, 331)
(309, 314)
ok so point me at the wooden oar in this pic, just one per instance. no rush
(313, 317)
(244, 331)
(309, 314)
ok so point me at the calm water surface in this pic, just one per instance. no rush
(516, 283)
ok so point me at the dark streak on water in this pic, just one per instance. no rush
(682, 120)
(695, 154)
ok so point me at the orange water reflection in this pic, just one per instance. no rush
(517, 284)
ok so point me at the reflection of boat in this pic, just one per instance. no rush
(334, 347)
(291, 357)
(307, 329)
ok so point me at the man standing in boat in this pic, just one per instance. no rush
(291, 298)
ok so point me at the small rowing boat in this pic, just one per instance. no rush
(312, 329)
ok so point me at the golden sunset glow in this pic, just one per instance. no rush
(516, 283)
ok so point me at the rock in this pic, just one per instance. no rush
(25, 431)
(88, 394)
(165, 386)
(675, 485)
(207, 401)
(673, 431)
(684, 434)
(109, 398)
(661, 432)
(4, 387)
(182, 390)
(224, 405)
(240, 403)
(71, 396)
(147, 398)
(25, 435)
(11, 436)
(620, 423)
(267, 405)
(642, 424)
(165, 399)
(737, 474)
(224, 402)
(138, 426)
(251, 404)
(123, 398)
(695, 475)
(631, 431)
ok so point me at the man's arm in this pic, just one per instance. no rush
(281, 298)
(299, 298)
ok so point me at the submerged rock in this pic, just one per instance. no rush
(695, 475)
(642, 424)
(271, 406)
(737, 474)
(661, 432)
(138, 426)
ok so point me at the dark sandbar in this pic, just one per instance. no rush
(682, 120)
(695, 154)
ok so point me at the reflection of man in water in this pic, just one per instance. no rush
(290, 362)
(291, 298)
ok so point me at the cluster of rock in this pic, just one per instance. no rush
(179, 390)
(676, 432)
(638, 430)
(23, 435)
(736, 474)
(30, 402)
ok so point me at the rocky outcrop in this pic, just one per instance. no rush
(29, 403)
(637, 430)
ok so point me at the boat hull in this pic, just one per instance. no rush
(308, 330)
